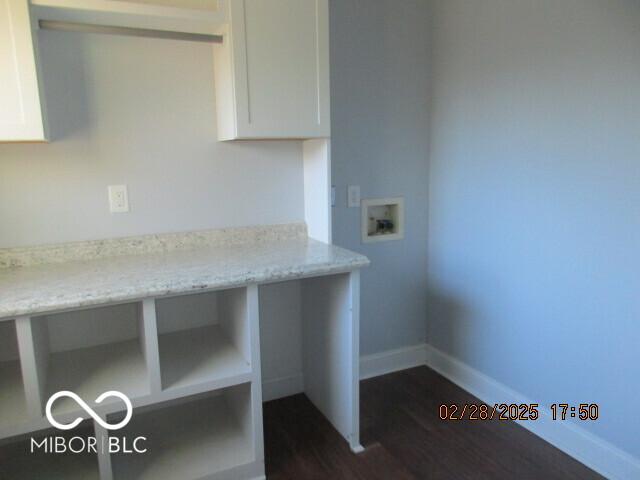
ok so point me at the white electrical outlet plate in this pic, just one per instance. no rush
(118, 199)
(353, 196)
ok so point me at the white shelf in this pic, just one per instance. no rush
(193, 16)
(199, 5)
(89, 372)
(13, 408)
(189, 441)
(187, 367)
(17, 461)
(202, 355)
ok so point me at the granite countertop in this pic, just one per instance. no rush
(70, 284)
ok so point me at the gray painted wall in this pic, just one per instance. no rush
(379, 123)
(535, 200)
(139, 112)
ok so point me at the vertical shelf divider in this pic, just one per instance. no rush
(330, 312)
(104, 457)
(354, 304)
(149, 343)
(33, 345)
(253, 318)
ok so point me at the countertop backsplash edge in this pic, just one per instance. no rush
(14, 257)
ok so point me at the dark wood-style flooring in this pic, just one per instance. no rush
(405, 439)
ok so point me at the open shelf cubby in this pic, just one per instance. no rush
(204, 340)
(90, 352)
(17, 461)
(190, 438)
(13, 408)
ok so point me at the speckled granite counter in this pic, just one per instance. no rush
(48, 287)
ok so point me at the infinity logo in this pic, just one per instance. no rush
(89, 410)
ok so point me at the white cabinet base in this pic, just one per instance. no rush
(190, 364)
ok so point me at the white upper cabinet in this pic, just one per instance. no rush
(272, 70)
(21, 116)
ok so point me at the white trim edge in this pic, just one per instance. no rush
(392, 361)
(575, 441)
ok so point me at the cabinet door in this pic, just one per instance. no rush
(20, 111)
(279, 67)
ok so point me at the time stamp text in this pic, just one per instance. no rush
(517, 411)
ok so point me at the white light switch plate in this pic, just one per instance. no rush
(353, 196)
(118, 199)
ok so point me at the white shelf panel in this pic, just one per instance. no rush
(189, 441)
(17, 461)
(204, 5)
(13, 407)
(89, 372)
(200, 356)
(193, 16)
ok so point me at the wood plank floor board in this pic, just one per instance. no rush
(525, 450)
(405, 439)
(486, 445)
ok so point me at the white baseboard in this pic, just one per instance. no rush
(370, 366)
(391, 361)
(575, 441)
(282, 387)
